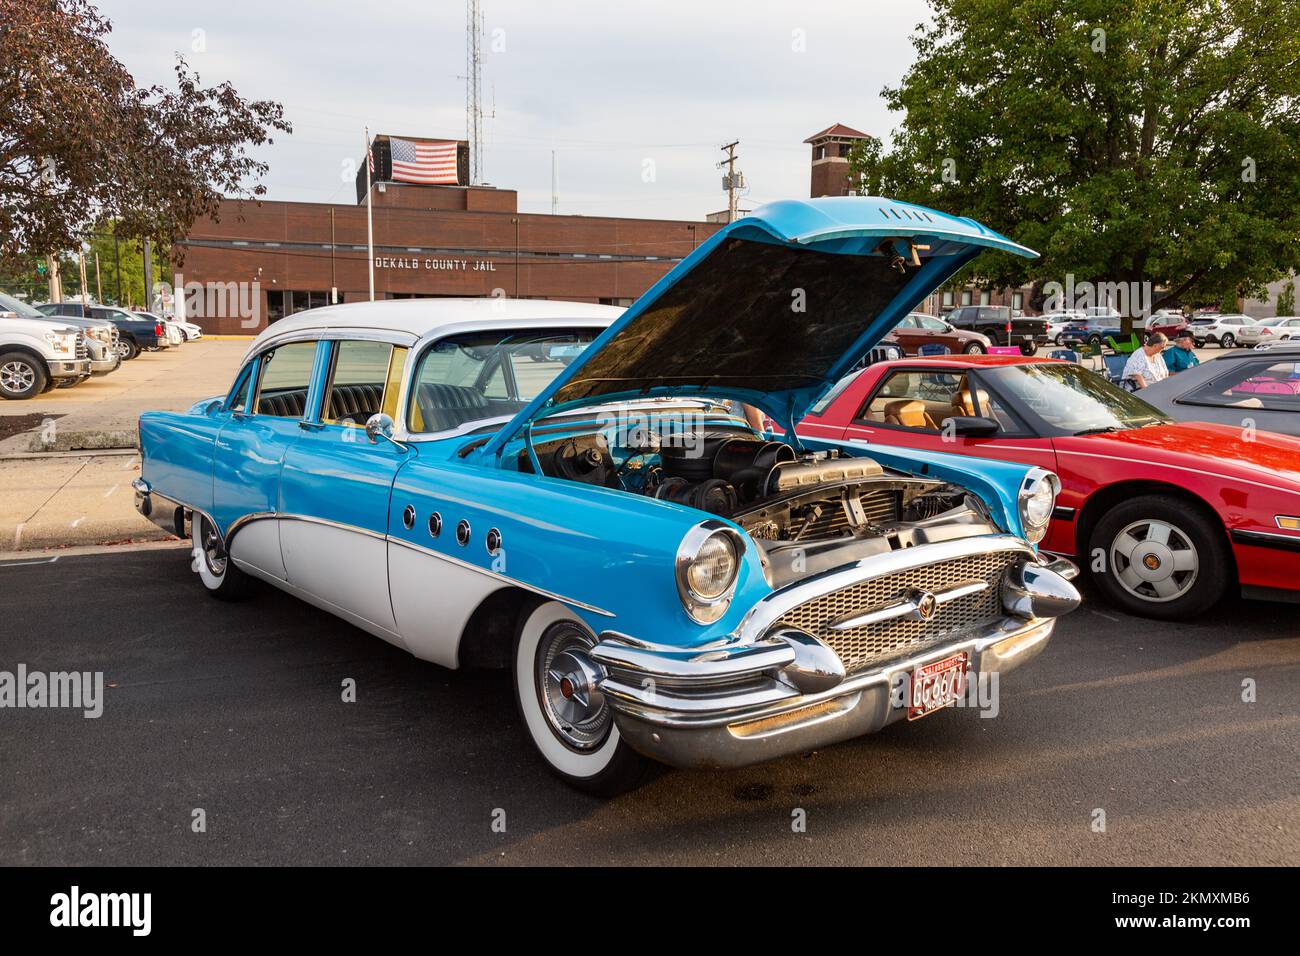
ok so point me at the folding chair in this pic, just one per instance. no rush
(1115, 371)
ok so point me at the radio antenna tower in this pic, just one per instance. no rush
(473, 83)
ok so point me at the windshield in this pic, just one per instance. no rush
(1073, 399)
(483, 375)
(9, 304)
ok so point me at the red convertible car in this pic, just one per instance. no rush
(1168, 516)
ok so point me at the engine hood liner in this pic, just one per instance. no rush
(773, 309)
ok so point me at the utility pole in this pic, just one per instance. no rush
(81, 261)
(117, 265)
(370, 218)
(729, 181)
(52, 270)
(99, 286)
(148, 275)
(51, 261)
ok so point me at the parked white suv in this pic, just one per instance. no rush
(1221, 330)
(36, 354)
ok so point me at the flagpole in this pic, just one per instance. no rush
(370, 220)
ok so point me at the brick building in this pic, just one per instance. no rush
(259, 261)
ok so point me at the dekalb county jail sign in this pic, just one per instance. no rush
(446, 265)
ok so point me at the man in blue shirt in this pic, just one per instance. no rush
(1179, 357)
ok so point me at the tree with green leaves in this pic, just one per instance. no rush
(1286, 299)
(80, 143)
(1143, 141)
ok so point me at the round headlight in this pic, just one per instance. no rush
(708, 562)
(714, 568)
(1037, 501)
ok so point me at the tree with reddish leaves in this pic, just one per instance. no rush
(80, 143)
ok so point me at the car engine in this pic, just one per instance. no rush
(806, 511)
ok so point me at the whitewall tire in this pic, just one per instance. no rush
(565, 717)
(215, 569)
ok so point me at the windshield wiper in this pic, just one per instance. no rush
(1099, 430)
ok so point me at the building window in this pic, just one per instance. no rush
(984, 298)
(965, 296)
(274, 305)
(1017, 299)
(947, 298)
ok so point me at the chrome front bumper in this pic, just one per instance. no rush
(754, 698)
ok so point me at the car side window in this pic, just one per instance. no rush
(285, 377)
(237, 400)
(364, 381)
(919, 400)
(1270, 386)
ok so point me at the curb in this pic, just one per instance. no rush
(79, 453)
(50, 555)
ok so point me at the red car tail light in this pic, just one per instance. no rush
(158, 329)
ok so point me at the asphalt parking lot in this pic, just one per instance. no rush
(237, 710)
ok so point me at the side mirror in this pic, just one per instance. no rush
(380, 426)
(972, 426)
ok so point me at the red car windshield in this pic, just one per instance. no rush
(1073, 399)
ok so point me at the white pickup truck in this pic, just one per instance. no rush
(36, 354)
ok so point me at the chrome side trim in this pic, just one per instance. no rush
(771, 608)
(240, 522)
(249, 518)
(1265, 539)
(720, 665)
(500, 577)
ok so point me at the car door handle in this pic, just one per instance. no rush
(311, 426)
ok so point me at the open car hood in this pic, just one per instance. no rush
(773, 308)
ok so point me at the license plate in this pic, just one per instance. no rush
(937, 685)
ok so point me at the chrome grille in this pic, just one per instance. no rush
(83, 350)
(863, 646)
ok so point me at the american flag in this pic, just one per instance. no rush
(424, 161)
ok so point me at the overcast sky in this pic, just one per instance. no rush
(608, 85)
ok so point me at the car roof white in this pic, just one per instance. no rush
(419, 317)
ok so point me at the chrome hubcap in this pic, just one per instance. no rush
(567, 683)
(1154, 560)
(17, 376)
(212, 550)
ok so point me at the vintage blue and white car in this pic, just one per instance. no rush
(575, 492)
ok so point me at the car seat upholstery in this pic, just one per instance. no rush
(283, 403)
(964, 403)
(355, 403)
(907, 412)
(443, 407)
